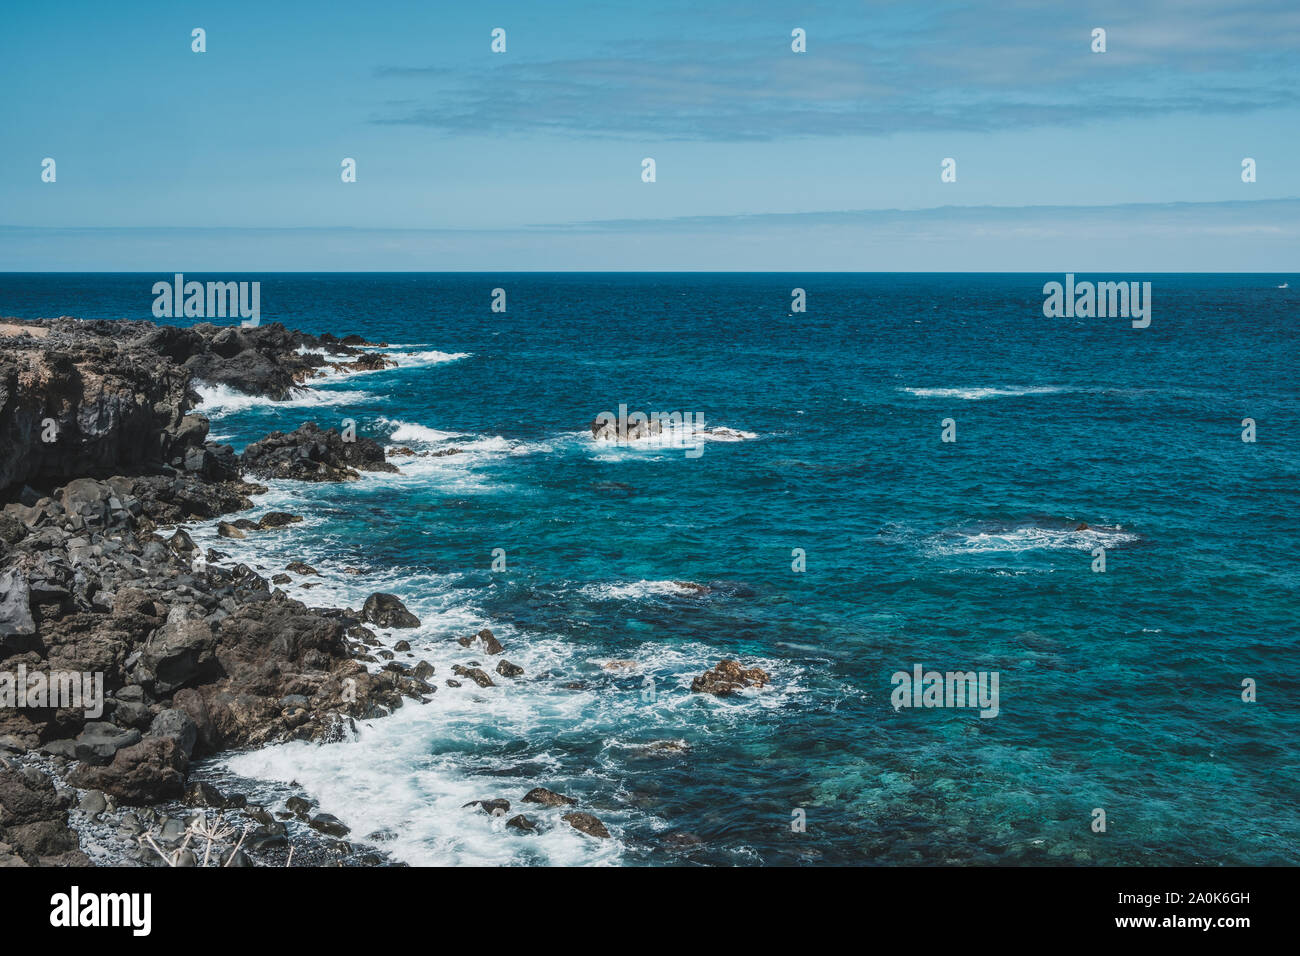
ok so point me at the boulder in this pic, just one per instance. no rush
(387, 610)
(88, 499)
(311, 453)
(34, 821)
(586, 823)
(180, 652)
(15, 605)
(497, 807)
(300, 807)
(182, 543)
(485, 638)
(277, 519)
(547, 798)
(99, 741)
(200, 794)
(728, 677)
(148, 772)
(192, 704)
(328, 824)
(473, 673)
(178, 724)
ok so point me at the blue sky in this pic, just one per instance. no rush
(766, 159)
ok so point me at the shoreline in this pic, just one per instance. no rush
(203, 657)
(198, 658)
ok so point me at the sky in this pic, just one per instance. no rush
(765, 159)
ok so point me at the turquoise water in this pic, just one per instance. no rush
(1118, 690)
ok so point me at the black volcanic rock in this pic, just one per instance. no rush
(311, 453)
(91, 399)
(548, 798)
(387, 610)
(586, 823)
(34, 821)
(74, 408)
(97, 577)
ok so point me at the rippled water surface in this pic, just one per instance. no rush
(1118, 690)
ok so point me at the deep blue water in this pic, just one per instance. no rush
(1118, 690)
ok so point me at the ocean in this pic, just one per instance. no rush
(839, 540)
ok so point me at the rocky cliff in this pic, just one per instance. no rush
(101, 458)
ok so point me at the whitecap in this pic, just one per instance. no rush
(217, 401)
(978, 394)
(1031, 538)
(413, 433)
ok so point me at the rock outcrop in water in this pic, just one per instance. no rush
(607, 429)
(387, 610)
(728, 677)
(311, 453)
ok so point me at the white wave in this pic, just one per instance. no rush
(411, 433)
(1032, 538)
(434, 357)
(412, 772)
(336, 367)
(467, 471)
(726, 434)
(217, 401)
(636, 590)
(978, 394)
(686, 437)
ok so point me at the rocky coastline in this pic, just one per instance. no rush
(103, 462)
